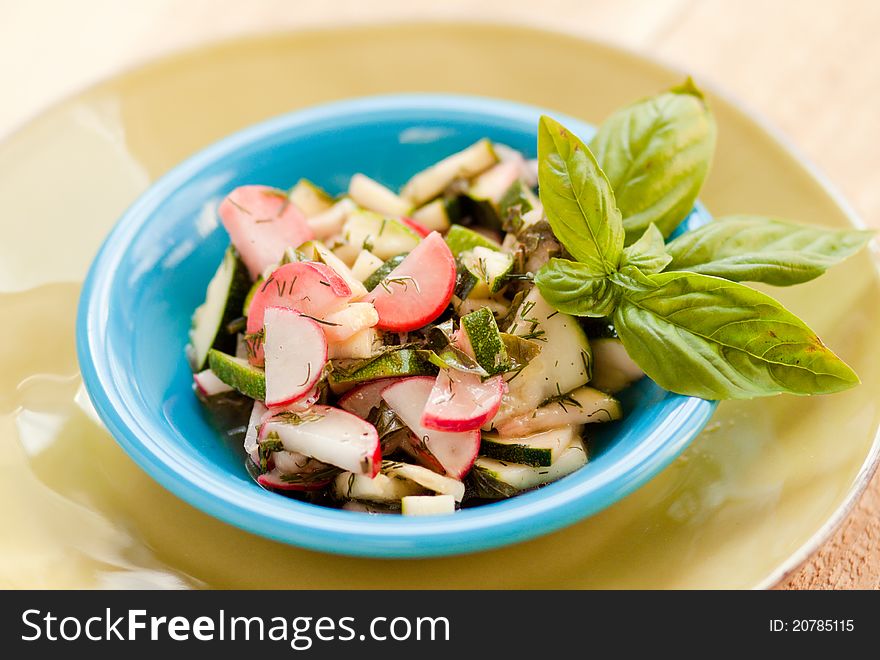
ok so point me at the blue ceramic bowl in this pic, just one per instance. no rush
(152, 271)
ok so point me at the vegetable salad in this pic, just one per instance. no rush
(450, 343)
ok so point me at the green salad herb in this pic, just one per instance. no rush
(679, 308)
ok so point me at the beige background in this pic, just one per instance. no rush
(811, 68)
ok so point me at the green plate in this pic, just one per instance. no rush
(748, 501)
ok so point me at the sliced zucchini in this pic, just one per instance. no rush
(459, 239)
(384, 237)
(239, 374)
(585, 405)
(400, 362)
(427, 505)
(465, 281)
(317, 251)
(309, 198)
(373, 196)
(480, 338)
(493, 479)
(433, 215)
(538, 449)
(426, 478)
(381, 488)
(490, 267)
(223, 304)
(365, 265)
(563, 365)
(519, 199)
(429, 183)
(492, 184)
(382, 271)
(482, 201)
(463, 307)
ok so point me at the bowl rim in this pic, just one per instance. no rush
(320, 528)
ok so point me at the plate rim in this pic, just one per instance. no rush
(871, 462)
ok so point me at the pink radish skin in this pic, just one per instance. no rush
(461, 401)
(332, 436)
(300, 405)
(296, 352)
(416, 226)
(308, 287)
(418, 290)
(261, 223)
(454, 452)
(363, 398)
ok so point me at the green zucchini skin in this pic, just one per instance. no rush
(382, 271)
(460, 239)
(537, 450)
(494, 479)
(238, 374)
(485, 341)
(224, 300)
(402, 362)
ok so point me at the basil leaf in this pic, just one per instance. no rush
(577, 199)
(704, 336)
(648, 254)
(656, 154)
(572, 288)
(747, 248)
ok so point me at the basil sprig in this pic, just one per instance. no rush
(679, 309)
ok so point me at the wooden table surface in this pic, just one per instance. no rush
(810, 67)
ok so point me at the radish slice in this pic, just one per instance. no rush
(296, 352)
(261, 223)
(208, 384)
(253, 427)
(309, 287)
(416, 226)
(314, 289)
(348, 321)
(300, 405)
(455, 453)
(419, 289)
(461, 401)
(329, 435)
(363, 398)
